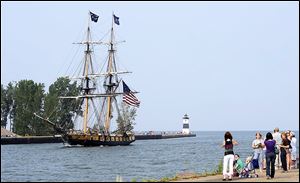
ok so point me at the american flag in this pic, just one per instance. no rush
(128, 97)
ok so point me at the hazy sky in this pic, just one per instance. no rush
(228, 65)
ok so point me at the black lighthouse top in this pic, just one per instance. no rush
(185, 116)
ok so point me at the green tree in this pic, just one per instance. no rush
(62, 111)
(3, 107)
(6, 103)
(126, 119)
(10, 94)
(29, 97)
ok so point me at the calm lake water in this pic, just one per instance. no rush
(144, 159)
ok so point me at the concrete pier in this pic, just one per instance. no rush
(30, 140)
(162, 136)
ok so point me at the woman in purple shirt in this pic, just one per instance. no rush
(270, 155)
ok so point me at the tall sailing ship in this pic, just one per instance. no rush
(100, 133)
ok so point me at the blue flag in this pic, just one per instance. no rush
(94, 17)
(116, 20)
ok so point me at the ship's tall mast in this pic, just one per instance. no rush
(86, 88)
(111, 84)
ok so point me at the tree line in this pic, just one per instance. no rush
(20, 100)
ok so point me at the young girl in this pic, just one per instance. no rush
(239, 165)
(228, 155)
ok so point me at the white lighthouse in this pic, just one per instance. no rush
(185, 128)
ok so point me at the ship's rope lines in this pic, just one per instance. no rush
(97, 61)
(105, 60)
(96, 115)
(96, 36)
(80, 63)
(98, 89)
(76, 121)
(108, 31)
(93, 47)
(100, 28)
(100, 81)
(93, 59)
(90, 116)
(55, 107)
(80, 33)
(91, 66)
(120, 65)
(117, 56)
(131, 88)
(67, 58)
(92, 55)
(117, 35)
(71, 62)
(78, 108)
(79, 68)
(104, 63)
(90, 119)
(95, 112)
(54, 110)
(77, 115)
(116, 69)
(99, 49)
(101, 113)
(77, 51)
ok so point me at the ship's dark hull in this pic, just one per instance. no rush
(99, 140)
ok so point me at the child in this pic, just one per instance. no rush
(239, 165)
(248, 170)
